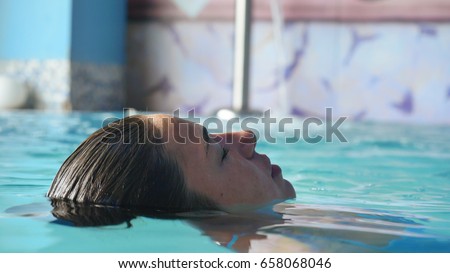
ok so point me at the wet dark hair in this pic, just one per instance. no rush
(126, 164)
(70, 213)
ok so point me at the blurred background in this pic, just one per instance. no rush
(380, 60)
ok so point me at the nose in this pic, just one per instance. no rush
(243, 142)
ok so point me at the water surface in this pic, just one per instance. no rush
(386, 190)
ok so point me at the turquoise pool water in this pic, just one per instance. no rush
(386, 190)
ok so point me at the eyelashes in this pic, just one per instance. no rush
(208, 139)
(224, 154)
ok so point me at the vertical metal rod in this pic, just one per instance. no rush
(242, 56)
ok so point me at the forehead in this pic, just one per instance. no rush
(177, 129)
(182, 137)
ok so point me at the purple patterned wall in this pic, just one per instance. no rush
(366, 71)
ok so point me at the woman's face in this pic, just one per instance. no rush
(224, 167)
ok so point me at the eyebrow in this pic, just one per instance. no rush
(206, 139)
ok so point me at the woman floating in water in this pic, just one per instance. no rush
(166, 163)
(159, 166)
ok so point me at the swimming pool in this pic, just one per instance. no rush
(386, 190)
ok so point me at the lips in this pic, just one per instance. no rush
(276, 171)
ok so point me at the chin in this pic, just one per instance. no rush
(288, 190)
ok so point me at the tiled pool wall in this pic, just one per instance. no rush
(64, 85)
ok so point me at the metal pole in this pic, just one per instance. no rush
(242, 56)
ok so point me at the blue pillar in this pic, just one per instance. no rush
(97, 54)
(98, 31)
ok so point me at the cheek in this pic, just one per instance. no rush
(248, 185)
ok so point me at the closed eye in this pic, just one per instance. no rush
(206, 137)
(224, 153)
(209, 140)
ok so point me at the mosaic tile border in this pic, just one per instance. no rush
(62, 85)
(96, 87)
(47, 80)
